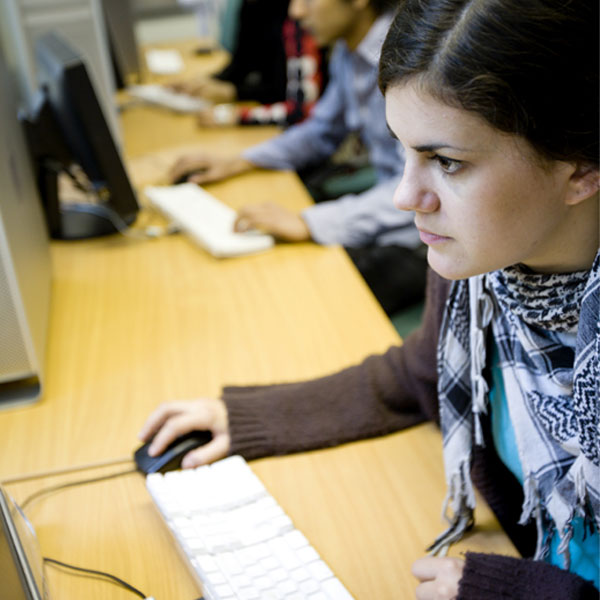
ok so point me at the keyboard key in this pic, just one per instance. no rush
(307, 554)
(278, 575)
(287, 587)
(248, 594)
(319, 570)
(263, 583)
(335, 590)
(224, 592)
(205, 565)
(295, 539)
(299, 574)
(309, 586)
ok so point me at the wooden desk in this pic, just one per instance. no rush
(136, 322)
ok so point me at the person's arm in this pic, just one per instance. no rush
(385, 393)
(226, 115)
(308, 142)
(495, 577)
(491, 577)
(355, 220)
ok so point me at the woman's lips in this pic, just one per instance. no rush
(431, 238)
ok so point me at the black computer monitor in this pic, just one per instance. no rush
(122, 41)
(69, 135)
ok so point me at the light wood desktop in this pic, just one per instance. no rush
(136, 322)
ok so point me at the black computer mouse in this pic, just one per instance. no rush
(171, 458)
(183, 178)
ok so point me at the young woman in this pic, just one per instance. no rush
(496, 105)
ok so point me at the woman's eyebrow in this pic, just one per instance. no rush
(437, 146)
(434, 147)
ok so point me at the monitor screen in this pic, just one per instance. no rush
(69, 135)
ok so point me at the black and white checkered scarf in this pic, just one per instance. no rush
(547, 331)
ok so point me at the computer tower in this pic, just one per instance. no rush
(25, 266)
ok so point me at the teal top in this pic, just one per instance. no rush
(585, 553)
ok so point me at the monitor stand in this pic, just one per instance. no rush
(74, 220)
(81, 221)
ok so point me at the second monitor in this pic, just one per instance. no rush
(68, 133)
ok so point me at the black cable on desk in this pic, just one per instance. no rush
(93, 572)
(101, 575)
(98, 574)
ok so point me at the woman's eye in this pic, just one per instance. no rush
(448, 165)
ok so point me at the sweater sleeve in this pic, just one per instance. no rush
(384, 393)
(496, 577)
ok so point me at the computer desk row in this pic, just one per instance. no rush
(136, 322)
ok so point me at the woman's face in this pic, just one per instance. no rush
(481, 201)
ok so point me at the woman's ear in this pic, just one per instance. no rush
(584, 183)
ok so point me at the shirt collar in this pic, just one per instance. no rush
(369, 48)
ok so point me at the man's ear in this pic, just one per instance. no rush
(584, 183)
(361, 4)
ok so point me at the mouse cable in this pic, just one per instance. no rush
(63, 486)
(101, 575)
(98, 574)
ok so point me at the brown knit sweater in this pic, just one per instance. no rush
(386, 393)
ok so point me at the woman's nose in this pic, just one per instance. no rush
(414, 194)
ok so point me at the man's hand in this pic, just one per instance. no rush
(222, 115)
(274, 219)
(439, 577)
(203, 168)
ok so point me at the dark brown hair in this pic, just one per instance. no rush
(383, 6)
(528, 67)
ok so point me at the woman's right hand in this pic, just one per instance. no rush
(204, 168)
(174, 419)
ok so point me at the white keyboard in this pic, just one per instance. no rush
(163, 96)
(237, 541)
(165, 61)
(206, 220)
